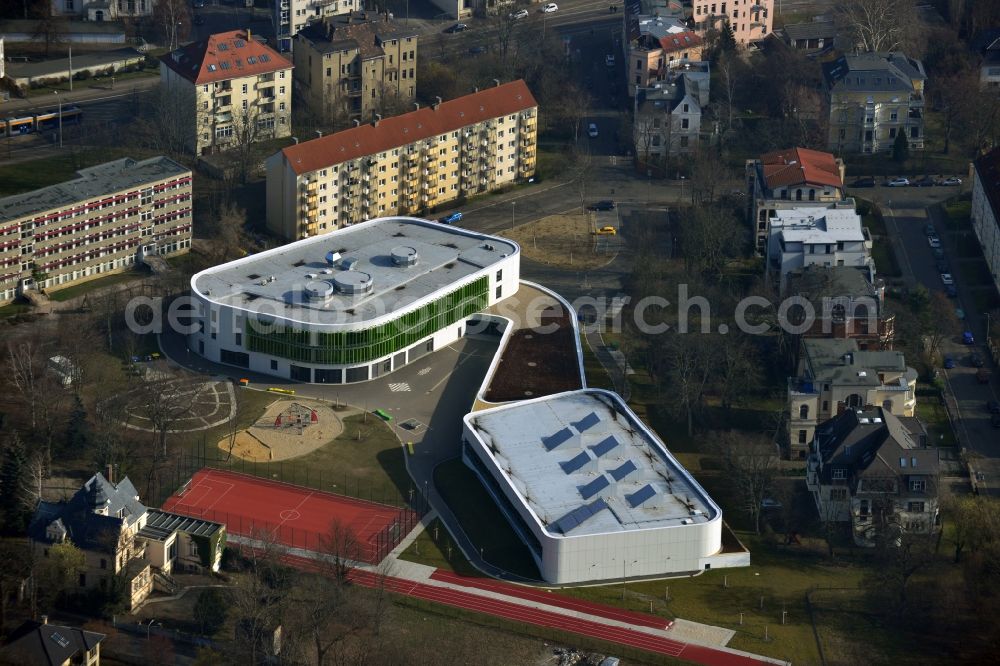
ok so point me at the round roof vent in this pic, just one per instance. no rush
(404, 255)
(317, 290)
(353, 282)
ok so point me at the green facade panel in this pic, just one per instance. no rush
(366, 345)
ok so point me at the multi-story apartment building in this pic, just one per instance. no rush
(871, 98)
(782, 179)
(811, 236)
(749, 20)
(661, 44)
(404, 164)
(101, 222)
(121, 538)
(667, 120)
(834, 375)
(232, 88)
(874, 470)
(352, 67)
(290, 16)
(849, 303)
(103, 10)
(985, 211)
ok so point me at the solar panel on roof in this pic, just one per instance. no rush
(578, 516)
(587, 422)
(555, 440)
(605, 445)
(60, 639)
(640, 496)
(624, 470)
(570, 466)
(594, 487)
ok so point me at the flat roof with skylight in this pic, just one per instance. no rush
(354, 275)
(585, 466)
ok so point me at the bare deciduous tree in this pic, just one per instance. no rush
(751, 463)
(25, 369)
(882, 25)
(173, 19)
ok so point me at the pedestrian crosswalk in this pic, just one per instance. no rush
(423, 371)
(396, 387)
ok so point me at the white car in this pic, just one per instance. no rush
(954, 180)
(549, 8)
(946, 279)
(592, 131)
(609, 60)
(934, 241)
(898, 182)
(519, 14)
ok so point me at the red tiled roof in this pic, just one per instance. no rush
(988, 169)
(680, 41)
(796, 166)
(223, 56)
(413, 126)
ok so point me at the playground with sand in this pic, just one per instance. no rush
(287, 429)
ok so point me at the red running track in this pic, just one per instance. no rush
(519, 613)
(546, 597)
(296, 517)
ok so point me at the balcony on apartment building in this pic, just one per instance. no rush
(800, 387)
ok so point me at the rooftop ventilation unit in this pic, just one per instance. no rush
(318, 291)
(332, 257)
(353, 283)
(348, 263)
(403, 255)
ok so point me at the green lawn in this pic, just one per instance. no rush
(365, 461)
(935, 417)
(481, 520)
(25, 176)
(123, 81)
(14, 309)
(435, 548)
(91, 285)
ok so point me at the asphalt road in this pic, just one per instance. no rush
(910, 210)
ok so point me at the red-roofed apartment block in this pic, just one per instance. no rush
(791, 178)
(986, 209)
(226, 90)
(405, 164)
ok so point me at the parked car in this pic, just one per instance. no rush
(993, 407)
(864, 182)
(609, 60)
(950, 181)
(549, 8)
(519, 14)
(897, 182)
(934, 241)
(458, 27)
(606, 204)
(929, 230)
(960, 313)
(926, 181)
(947, 279)
(592, 131)
(975, 360)
(451, 219)
(949, 363)
(607, 231)
(770, 503)
(967, 338)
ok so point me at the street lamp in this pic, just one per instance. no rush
(56, 92)
(512, 205)
(987, 315)
(624, 562)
